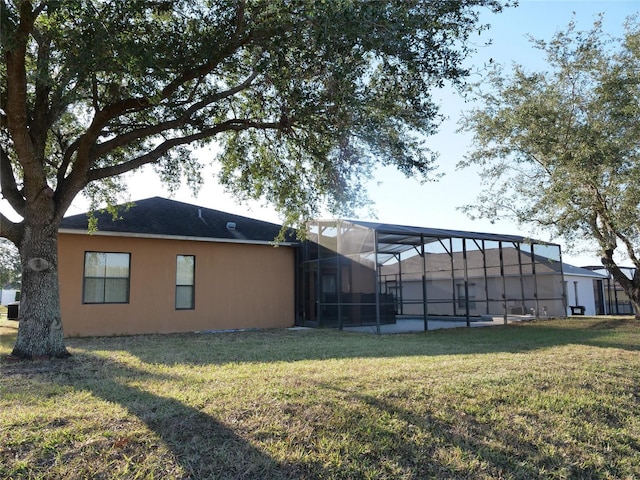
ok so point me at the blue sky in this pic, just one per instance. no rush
(405, 201)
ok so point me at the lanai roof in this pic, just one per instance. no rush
(393, 239)
(580, 272)
(436, 233)
(161, 217)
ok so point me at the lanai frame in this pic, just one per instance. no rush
(346, 265)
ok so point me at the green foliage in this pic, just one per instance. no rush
(303, 97)
(560, 148)
(10, 268)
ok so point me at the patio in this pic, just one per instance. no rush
(411, 325)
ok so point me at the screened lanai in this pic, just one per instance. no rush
(358, 273)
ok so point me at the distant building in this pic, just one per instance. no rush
(585, 290)
(615, 300)
(8, 296)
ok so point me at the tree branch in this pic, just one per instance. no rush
(66, 161)
(39, 8)
(16, 108)
(16, 81)
(86, 142)
(236, 42)
(40, 118)
(10, 230)
(160, 150)
(611, 227)
(629, 247)
(618, 275)
(138, 134)
(8, 184)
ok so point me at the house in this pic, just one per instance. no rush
(165, 266)
(8, 295)
(616, 301)
(584, 290)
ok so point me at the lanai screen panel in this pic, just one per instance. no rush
(477, 277)
(340, 276)
(360, 273)
(547, 261)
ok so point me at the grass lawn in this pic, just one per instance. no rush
(547, 399)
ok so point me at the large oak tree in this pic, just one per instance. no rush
(302, 96)
(560, 148)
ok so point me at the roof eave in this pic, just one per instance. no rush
(176, 237)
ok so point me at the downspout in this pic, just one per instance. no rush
(400, 294)
(504, 283)
(425, 311)
(564, 297)
(453, 278)
(518, 247)
(377, 275)
(319, 280)
(339, 274)
(535, 280)
(298, 282)
(466, 281)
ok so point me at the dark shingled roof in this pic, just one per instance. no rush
(161, 216)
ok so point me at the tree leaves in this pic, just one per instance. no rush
(562, 147)
(304, 97)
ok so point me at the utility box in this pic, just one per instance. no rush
(577, 310)
(13, 311)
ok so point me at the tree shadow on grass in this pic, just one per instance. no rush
(463, 447)
(198, 445)
(298, 345)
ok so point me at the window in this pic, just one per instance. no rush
(185, 282)
(106, 277)
(462, 298)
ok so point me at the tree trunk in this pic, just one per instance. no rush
(634, 298)
(631, 286)
(40, 324)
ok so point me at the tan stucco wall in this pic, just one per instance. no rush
(236, 286)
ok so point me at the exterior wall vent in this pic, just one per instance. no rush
(231, 225)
